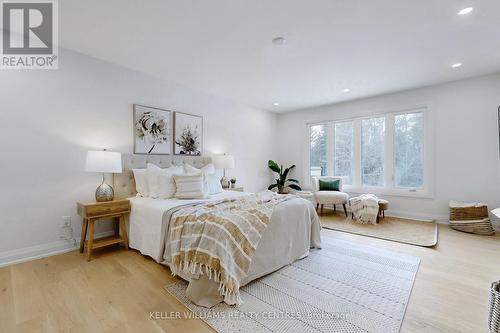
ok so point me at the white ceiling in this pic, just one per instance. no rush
(224, 46)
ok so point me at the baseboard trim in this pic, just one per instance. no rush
(18, 256)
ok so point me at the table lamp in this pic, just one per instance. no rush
(224, 162)
(105, 162)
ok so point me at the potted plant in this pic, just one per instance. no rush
(233, 182)
(282, 182)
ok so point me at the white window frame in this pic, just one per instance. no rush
(389, 188)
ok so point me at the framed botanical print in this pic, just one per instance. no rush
(152, 131)
(188, 134)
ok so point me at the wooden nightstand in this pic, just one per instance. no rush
(236, 189)
(118, 210)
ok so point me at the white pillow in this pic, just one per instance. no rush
(208, 169)
(161, 182)
(141, 182)
(189, 186)
(211, 183)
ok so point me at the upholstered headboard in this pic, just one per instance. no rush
(124, 183)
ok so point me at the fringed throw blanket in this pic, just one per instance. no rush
(365, 208)
(218, 239)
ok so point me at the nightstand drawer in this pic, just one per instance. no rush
(104, 208)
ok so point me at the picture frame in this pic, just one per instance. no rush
(152, 130)
(188, 134)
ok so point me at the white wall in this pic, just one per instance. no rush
(467, 163)
(49, 119)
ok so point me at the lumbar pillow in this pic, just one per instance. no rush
(161, 182)
(189, 186)
(329, 185)
(141, 182)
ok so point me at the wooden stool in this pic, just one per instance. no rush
(383, 205)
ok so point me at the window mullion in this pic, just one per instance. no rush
(389, 151)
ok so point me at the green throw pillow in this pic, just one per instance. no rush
(329, 185)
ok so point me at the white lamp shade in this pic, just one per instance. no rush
(223, 161)
(103, 161)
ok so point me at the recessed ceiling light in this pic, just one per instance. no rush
(465, 11)
(346, 90)
(276, 104)
(458, 64)
(279, 40)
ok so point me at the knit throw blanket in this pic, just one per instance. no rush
(365, 208)
(218, 239)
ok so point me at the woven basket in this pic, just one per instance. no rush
(494, 316)
(468, 213)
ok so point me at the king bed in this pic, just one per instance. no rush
(292, 230)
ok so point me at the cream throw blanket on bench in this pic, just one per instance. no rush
(365, 208)
(218, 239)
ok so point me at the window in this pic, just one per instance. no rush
(372, 151)
(343, 154)
(408, 150)
(387, 153)
(318, 160)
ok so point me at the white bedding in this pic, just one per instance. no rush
(146, 221)
(294, 228)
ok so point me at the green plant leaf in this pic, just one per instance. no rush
(295, 187)
(272, 186)
(292, 180)
(284, 175)
(293, 166)
(273, 166)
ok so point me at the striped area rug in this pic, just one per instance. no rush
(344, 287)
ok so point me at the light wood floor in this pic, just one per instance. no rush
(116, 291)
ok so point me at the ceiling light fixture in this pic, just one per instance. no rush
(465, 11)
(346, 90)
(457, 65)
(279, 40)
(276, 104)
